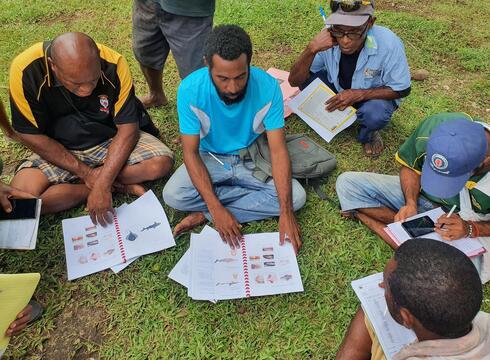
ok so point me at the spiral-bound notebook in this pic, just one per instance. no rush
(138, 228)
(259, 267)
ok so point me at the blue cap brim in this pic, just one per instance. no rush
(439, 185)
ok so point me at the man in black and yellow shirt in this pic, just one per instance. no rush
(73, 105)
(447, 153)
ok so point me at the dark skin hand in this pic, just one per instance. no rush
(99, 202)
(451, 228)
(224, 221)
(350, 97)
(20, 322)
(300, 71)
(7, 193)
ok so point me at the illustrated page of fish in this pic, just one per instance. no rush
(89, 248)
(144, 226)
(182, 271)
(202, 282)
(229, 276)
(392, 336)
(272, 268)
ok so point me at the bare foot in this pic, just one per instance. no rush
(350, 214)
(189, 223)
(375, 147)
(153, 100)
(132, 189)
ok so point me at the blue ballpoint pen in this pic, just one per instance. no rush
(324, 16)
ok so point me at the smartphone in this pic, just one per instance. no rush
(21, 209)
(418, 227)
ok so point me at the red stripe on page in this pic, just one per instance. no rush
(120, 243)
(245, 269)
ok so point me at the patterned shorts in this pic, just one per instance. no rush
(146, 148)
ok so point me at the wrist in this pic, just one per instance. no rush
(411, 203)
(311, 49)
(362, 95)
(83, 171)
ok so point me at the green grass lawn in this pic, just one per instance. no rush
(140, 313)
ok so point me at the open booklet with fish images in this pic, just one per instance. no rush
(137, 229)
(259, 267)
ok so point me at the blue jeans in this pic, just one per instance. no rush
(372, 115)
(247, 198)
(358, 190)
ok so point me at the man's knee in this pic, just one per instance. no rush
(375, 114)
(30, 180)
(177, 196)
(299, 196)
(348, 183)
(158, 167)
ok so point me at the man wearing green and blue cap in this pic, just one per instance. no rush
(445, 162)
(363, 63)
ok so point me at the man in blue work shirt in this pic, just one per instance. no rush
(364, 64)
(223, 108)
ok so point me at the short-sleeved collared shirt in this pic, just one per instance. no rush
(412, 154)
(225, 129)
(41, 105)
(382, 62)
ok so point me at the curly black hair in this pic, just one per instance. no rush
(438, 284)
(229, 42)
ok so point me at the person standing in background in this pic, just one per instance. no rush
(161, 26)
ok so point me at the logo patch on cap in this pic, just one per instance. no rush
(439, 163)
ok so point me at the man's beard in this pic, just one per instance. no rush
(225, 98)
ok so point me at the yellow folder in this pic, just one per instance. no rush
(15, 292)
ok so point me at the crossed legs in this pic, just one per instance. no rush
(373, 199)
(59, 197)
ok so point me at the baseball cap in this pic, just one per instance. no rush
(454, 150)
(352, 18)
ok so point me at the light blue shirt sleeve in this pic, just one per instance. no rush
(396, 74)
(274, 118)
(318, 63)
(189, 124)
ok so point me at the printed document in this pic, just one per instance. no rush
(310, 106)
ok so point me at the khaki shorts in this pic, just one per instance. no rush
(146, 148)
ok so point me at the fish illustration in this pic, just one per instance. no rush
(131, 236)
(287, 277)
(228, 283)
(225, 260)
(152, 226)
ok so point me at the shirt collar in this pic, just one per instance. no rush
(371, 45)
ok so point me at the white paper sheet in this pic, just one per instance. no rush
(392, 336)
(89, 248)
(218, 272)
(20, 234)
(146, 219)
(181, 272)
(467, 245)
(310, 106)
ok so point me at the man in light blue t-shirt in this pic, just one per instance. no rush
(364, 64)
(224, 108)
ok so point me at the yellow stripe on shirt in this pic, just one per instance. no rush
(16, 89)
(401, 161)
